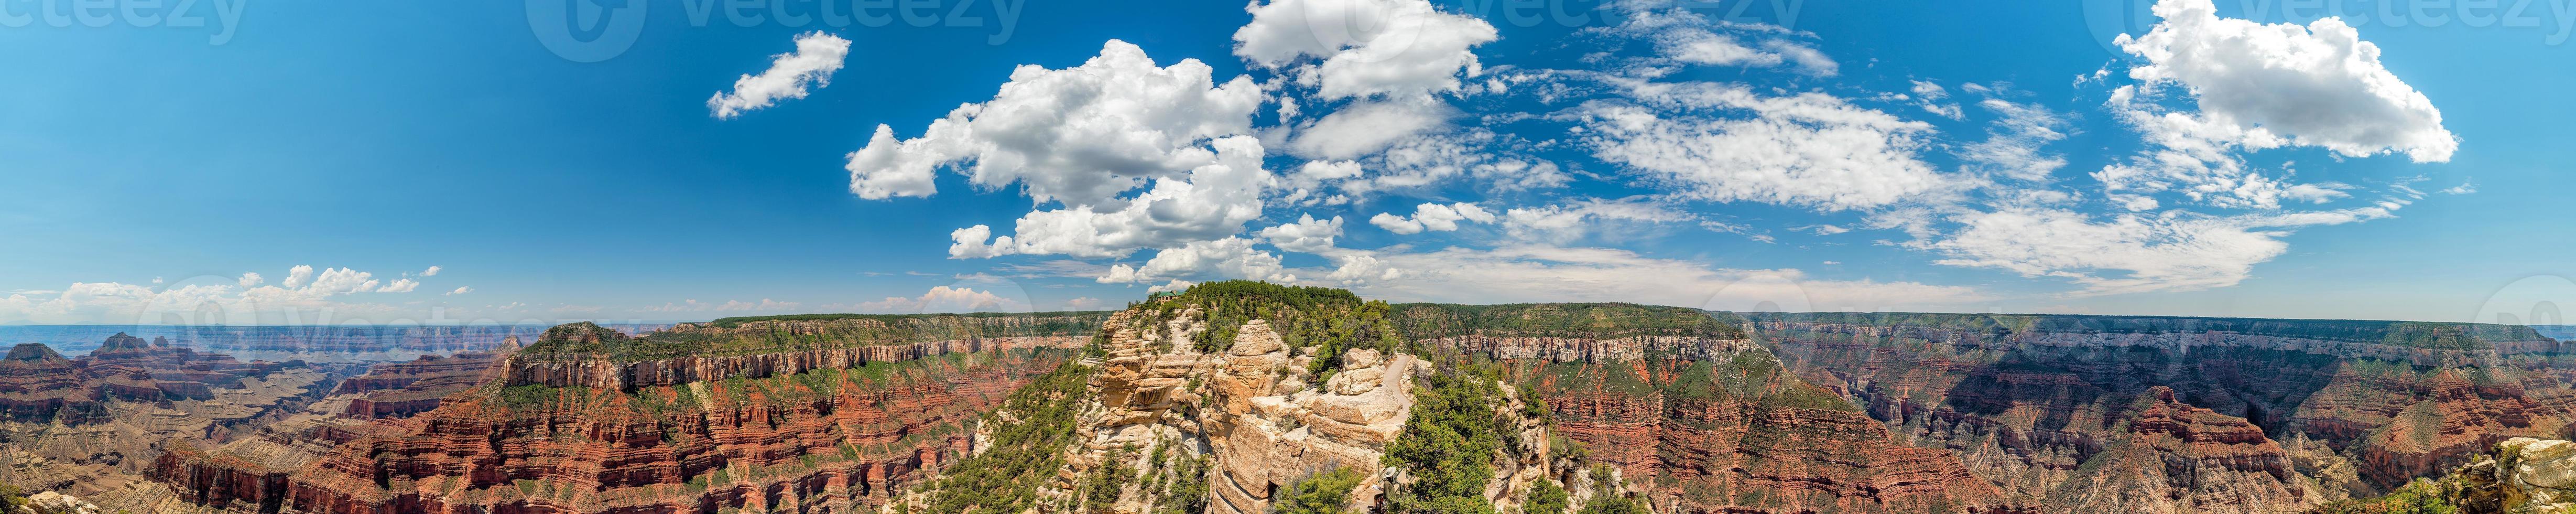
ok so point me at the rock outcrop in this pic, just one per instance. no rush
(2518, 476)
(406, 388)
(1220, 402)
(2526, 475)
(1251, 409)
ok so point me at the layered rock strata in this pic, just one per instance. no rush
(94, 425)
(792, 434)
(407, 388)
(2186, 414)
(1708, 420)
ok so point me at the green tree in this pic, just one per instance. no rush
(1448, 445)
(11, 498)
(2421, 497)
(1547, 498)
(1606, 497)
(1324, 493)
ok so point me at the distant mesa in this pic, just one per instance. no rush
(583, 332)
(33, 352)
(121, 341)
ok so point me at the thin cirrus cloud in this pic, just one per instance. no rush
(1432, 217)
(306, 296)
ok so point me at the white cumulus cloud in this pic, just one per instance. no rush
(1212, 201)
(1432, 217)
(2263, 85)
(305, 297)
(1078, 135)
(939, 299)
(1307, 234)
(817, 55)
(1367, 47)
(1231, 257)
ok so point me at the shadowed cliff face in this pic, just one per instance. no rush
(1682, 402)
(402, 389)
(2185, 414)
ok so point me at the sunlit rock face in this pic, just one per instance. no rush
(753, 415)
(94, 425)
(1685, 401)
(2151, 414)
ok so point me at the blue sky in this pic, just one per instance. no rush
(1803, 155)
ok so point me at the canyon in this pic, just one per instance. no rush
(91, 426)
(1686, 401)
(2150, 414)
(1241, 398)
(316, 343)
(802, 414)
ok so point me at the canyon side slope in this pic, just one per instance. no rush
(1245, 397)
(2163, 414)
(91, 426)
(790, 413)
(1684, 403)
(1241, 397)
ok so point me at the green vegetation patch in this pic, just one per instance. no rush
(1448, 445)
(11, 498)
(1607, 498)
(1325, 493)
(752, 335)
(1330, 321)
(1024, 453)
(2423, 496)
(1595, 320)
(2412, 334)
(1546, 498)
